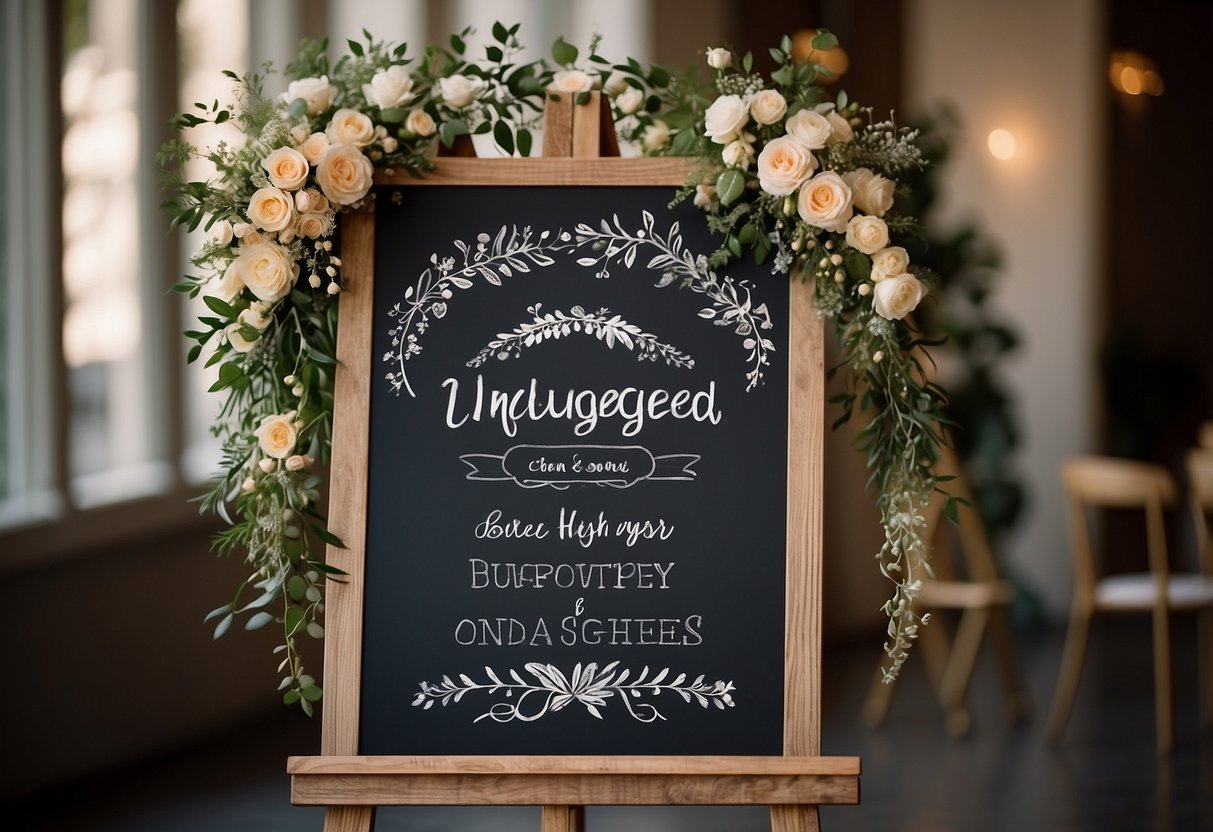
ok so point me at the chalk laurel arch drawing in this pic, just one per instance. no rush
(518, 250)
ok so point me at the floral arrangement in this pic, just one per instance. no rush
(783, 174)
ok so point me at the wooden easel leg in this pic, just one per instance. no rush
(562, 819)
(349, 818)
(795, 819)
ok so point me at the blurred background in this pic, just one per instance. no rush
(1069, 217)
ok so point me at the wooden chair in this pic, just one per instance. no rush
(983, 599)
(1200, 497)
(1101, 482)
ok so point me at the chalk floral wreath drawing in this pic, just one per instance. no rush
(515, 250)
(607, 328)
(590, 686)
(782, 172)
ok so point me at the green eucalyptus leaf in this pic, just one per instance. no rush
(393, 115)
(296, 588)
(730, 185)
(297, 108)
(824, 39)
(223, 626)
(504, 137)
(564, 54)
(292, 620)
(256, 622)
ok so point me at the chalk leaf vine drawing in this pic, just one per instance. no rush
(607, 328)
(515, 250)
(589, 685)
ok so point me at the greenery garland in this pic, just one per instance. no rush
(784, 176)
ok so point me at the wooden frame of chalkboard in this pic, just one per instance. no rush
(793, 784)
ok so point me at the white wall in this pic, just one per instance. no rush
(1032, 67)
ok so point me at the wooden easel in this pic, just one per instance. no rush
(983, 598)
(350, 786)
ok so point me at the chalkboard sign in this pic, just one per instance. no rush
(577, 505)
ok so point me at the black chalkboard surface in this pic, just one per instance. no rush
(577, 484)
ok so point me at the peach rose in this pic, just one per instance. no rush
(768, 107)
(270, 209)
(277, 435)
(825, 201)
(350, 127)
(265, 269)
(313, 147)
(872, 193)
(897, 296)
(344, 174)
(889, 262)
(287, 168)
(783, 166)
(867, 234)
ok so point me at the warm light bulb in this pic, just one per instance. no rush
(1001, 143)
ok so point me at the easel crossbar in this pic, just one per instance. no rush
(635, 781)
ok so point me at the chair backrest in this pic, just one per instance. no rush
(1200, 496)
(1115, 483)
(1204, 435)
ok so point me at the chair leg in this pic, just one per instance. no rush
(1071, 669)
(1019, 703)
(959, 670)
(1162, 680)
(1205, 645)
(880, 696)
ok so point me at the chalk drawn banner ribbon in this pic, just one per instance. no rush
(559, 466)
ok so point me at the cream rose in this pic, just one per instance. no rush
(571, 80)
(313, 147)
(810, 129)
(287, 168)
(227, 286)
(277, 435)
(344, 174)
(270, 209)
(897, 296)
(738, 154)
(825, 201)
(314, 226)
(419, 123)
(310, 201)
(221, 233)
(615, 83)
(629, 101)
(872, 193)
(236, 338)
(656, 136)
(768, 107)
(266, 269)
(256, 316)
(783, 166)
(867, 234)
(317, 93)
(889, 262)
(840, 128)
(350, 127)
(719, 58)
(389, 88)
(458, 91)
(726, 118)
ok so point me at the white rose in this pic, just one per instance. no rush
(825, 201)
(266, 269)
(784, 165)
(389, 88)
(738, 154)
(705, 196)
(726, 118)
(237, 340)
(719, 58)
(630, 101)
(840, 128)
(227, 286)
(656, 136)
(287, 168)
(277, 435)
(615, 83)
(350, 127)
(897, 296)
(888, 262)
(873, 193)
(344, 174)
(810, 129)
(571, 80)
(419, 123)
(313, 147)
(768, 107)
(221, 233)
(315, 225)
(270, 209)
(458, 91)
(318, 93)
(867, 234)
(255, 316)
